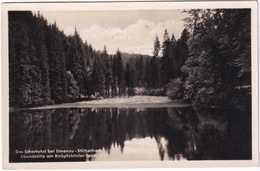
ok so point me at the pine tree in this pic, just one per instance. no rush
(147, 74)
(175, 89)
(73, 89)
(107, 71)
(27, 59)
(129, 80)
(39, 36)
(58, 82)
(156, 47)
(155, 66)
(182, 47)
(218, 58)
(98, 77)
(120, 73)
(167, 63)
(23, 69)
(139, 72)
(46, 66)
(114, 77)
(76, 63)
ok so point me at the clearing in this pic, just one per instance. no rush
(121, 102)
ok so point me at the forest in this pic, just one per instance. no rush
(209, 65)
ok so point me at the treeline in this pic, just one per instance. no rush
(218, 70)
(132, 74)
(210, 64)
(47, 67)
(162, 69)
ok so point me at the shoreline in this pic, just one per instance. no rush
(131, 102)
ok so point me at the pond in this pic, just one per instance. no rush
(113, 134)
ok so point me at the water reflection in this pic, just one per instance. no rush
(133, 134)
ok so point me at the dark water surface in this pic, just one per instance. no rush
(129, 134)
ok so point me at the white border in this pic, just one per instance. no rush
(126, 6)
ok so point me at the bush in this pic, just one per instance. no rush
(205, 96)
(175, 89)
(141, 91)
(156, 92)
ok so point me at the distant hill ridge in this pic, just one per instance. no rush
(130, 58)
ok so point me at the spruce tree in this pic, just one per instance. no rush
(156, 47)
(129, 80)
(167, 66)
(114, 77)
(120, 73)
(218, 66)
(147, 74)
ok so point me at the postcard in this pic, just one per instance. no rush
(129, 85)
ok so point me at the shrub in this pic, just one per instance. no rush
(141, 91)
(175, 89)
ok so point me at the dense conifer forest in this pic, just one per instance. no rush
(209, 65)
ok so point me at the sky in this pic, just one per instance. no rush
(129, 31)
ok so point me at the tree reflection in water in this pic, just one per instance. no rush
(180, 133)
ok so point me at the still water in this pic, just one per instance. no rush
(113, 134)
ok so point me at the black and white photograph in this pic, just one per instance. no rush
(158, 83)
